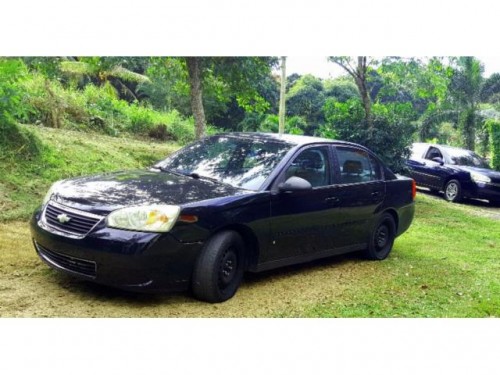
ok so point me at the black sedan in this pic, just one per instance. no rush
(222, 206)
(459, 173)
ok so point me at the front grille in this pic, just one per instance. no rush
(81, 266)
(78, 222)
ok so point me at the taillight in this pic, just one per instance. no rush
(413, 189)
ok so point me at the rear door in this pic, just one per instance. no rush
(359, 189)
(418, 165)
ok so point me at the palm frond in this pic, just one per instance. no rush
(128, 75)
(77, 68)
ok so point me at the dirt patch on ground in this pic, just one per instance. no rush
(29, 288)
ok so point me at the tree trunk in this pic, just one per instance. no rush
(281, 126)
(469, 128)
(359, 75)
(360, 79)
(194, 71)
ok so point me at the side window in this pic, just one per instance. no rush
(311, 165)
(433, 153)
(418, 150)
(376, 169)
(357, 166)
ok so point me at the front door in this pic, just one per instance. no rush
(300, 219)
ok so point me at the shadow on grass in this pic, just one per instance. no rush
(106, 294)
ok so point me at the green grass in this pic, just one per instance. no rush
(24, 182)
(446, 265)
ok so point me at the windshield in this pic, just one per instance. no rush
(466, 158)
(244, 163)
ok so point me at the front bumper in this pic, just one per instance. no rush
(120, 258)
(484, 190)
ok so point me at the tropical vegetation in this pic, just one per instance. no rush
(385, 103)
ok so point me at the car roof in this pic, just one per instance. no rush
(446, 147)
(286, 138)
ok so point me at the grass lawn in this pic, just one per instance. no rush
(446, 265)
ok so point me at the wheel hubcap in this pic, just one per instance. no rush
(452, 191)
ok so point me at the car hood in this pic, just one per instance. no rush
(107, 192)
(494, 175)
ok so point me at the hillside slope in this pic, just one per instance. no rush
(23, 183)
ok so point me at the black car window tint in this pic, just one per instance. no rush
(356, 167)
(311, 165)
(376, 169)
(433, 153)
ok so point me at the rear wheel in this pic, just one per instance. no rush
(382, 238)
(219, 268)
(453, 191)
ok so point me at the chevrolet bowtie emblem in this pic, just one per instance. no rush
(63, 218)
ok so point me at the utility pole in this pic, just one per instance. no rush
(282, 96)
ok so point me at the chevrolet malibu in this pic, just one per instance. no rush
(222, 206)
(458, 172)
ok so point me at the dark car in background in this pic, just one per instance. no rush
(457, 172)
(219, 207)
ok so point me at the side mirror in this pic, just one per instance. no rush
(438, 160)
(294, 183)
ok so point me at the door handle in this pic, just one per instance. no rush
(332, 200)
(375, 193)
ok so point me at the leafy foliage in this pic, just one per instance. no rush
(14, 142)
(306, 98)
(490, 91)
(391, 135)
(494, 132)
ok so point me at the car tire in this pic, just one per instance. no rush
(453, 191)
(219, 268)
(382, 238)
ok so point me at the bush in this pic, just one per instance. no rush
(15, 142)
(494, 135)
(97, 108)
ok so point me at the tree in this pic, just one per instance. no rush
(106, 71)
(228, 78)
(359, 73)
(340, 89)
(194, 69)
(306, 98)
(490, 91)
(465, 89)
(282, 96)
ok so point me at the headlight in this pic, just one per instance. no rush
(155, 218)
(51, 191)
(478, 177)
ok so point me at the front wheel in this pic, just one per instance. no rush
(453, 191)
(219, 268)
(382, 238)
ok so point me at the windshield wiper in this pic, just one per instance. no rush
(168, 170)
(197, 176)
